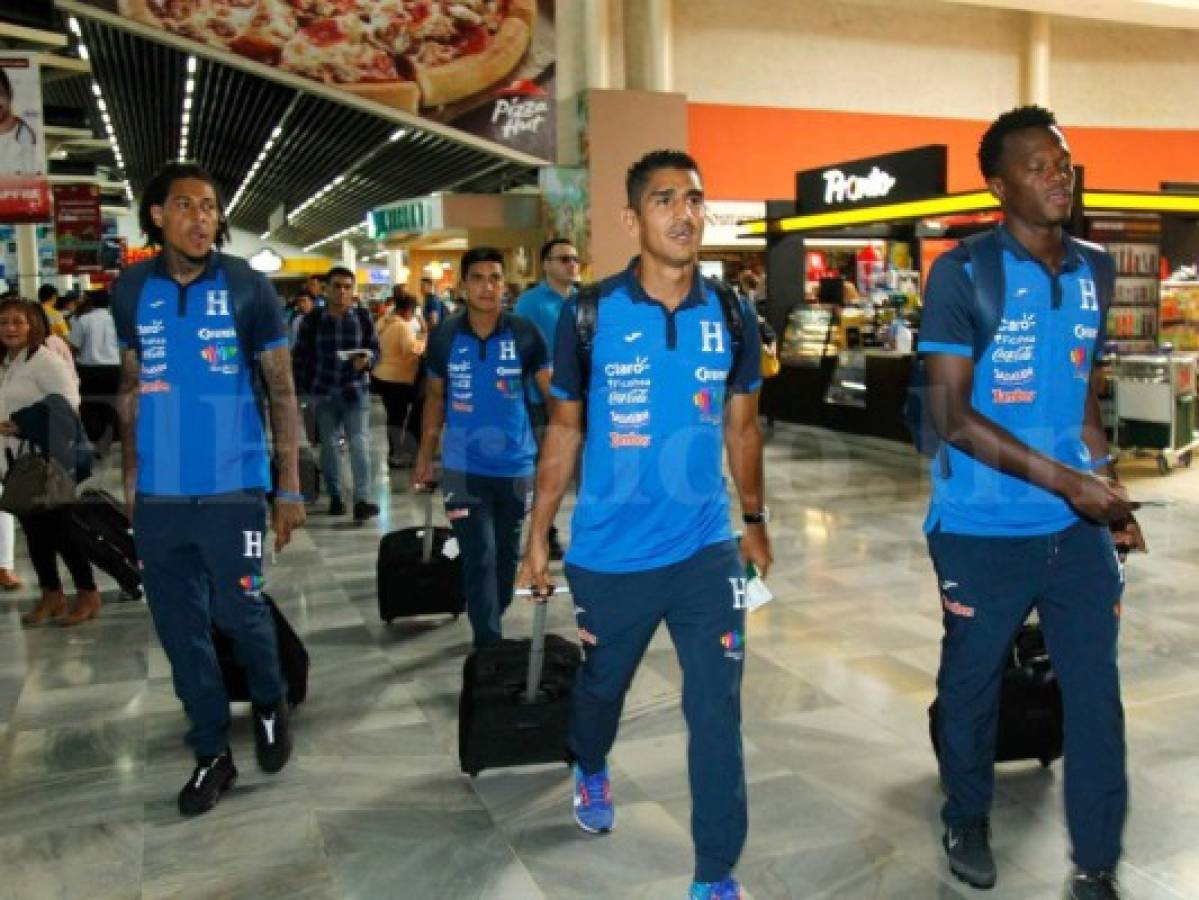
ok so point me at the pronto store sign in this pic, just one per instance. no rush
(894, 177)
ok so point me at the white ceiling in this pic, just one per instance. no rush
(1161, 13)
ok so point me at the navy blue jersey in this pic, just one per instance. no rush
(1032, 380)
(199, 427)
(653, 490)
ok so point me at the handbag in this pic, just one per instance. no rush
(35, 483)
(770, 363)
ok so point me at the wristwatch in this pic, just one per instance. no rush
(758, 518)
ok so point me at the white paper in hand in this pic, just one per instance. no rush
(450, 548)
(757, 594)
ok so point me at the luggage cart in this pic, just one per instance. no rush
(1155, 407)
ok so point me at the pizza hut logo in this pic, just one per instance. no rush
(522, 108)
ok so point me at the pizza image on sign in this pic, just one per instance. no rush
(406, 54)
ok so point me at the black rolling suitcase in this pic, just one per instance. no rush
(515, 703)
(100, 526)
(1030, 704)
(293, 659)
(414, 575)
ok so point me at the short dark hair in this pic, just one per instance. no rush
(159, 189)
(340, 272)
(548, 247)
(5, 83)
(46, 292)
(426, 278)
(638, 175)
(98, 298)
(480, 255)
(301, 295)
(990, 148)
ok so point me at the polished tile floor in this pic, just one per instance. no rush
(843, 788)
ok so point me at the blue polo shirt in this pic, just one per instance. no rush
(653, 490)
(487, 426)
(1032, 381)
(199, 427)
(542, 306)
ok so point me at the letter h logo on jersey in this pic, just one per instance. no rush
(713, 336)
(218, 303)
(507, 351)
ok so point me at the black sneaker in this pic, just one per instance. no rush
(364, 511)
(212, 777)
(337, 507)
(272, 736)
(1093, 886)
(968, 850)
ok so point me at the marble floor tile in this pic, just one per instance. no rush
(844, 791)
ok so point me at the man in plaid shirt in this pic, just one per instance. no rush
(334, 351)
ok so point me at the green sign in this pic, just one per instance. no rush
(408, 217)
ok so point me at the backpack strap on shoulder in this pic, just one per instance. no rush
(734, 318)
(986, 263)
(586, 321)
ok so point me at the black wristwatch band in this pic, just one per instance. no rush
(758, 518)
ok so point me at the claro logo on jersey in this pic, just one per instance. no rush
(639, 366)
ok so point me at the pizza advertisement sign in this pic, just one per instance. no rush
(77, 228)
(24, 190)
(485, 67)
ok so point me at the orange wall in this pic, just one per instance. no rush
(753, 152)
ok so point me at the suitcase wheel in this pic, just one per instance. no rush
(456, 615)
(473, 773)
(1046, 762)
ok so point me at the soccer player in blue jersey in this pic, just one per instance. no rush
(195, 327)
(1025, 511)
(481, 361)
(651, 541)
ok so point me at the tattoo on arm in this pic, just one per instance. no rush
(284, 415)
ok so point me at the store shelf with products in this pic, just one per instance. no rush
(1134, 242)
(1180, 315)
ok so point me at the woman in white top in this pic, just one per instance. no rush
(28, 374)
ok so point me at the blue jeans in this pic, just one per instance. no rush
(333, 413)
(202, 566)
(702, 601)
(485, 513)
(987, 587)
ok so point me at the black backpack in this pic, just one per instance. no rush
(587, 315)
(986, 261)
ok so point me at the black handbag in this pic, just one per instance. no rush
(35, 483)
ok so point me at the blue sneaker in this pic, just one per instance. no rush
(593, 801)
(728, 889)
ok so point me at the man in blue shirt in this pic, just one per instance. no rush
(650, 538)
(433, 311)
(480, 362)
(194, 325)
(334, 351)
(542, 305)
(1018, 517)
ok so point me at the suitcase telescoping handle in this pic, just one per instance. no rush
(536, 644)
(426, 549)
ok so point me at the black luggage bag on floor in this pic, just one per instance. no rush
(414, 576)
(1030, 704)
(515, 703)
(100, 526)
(293, 659)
